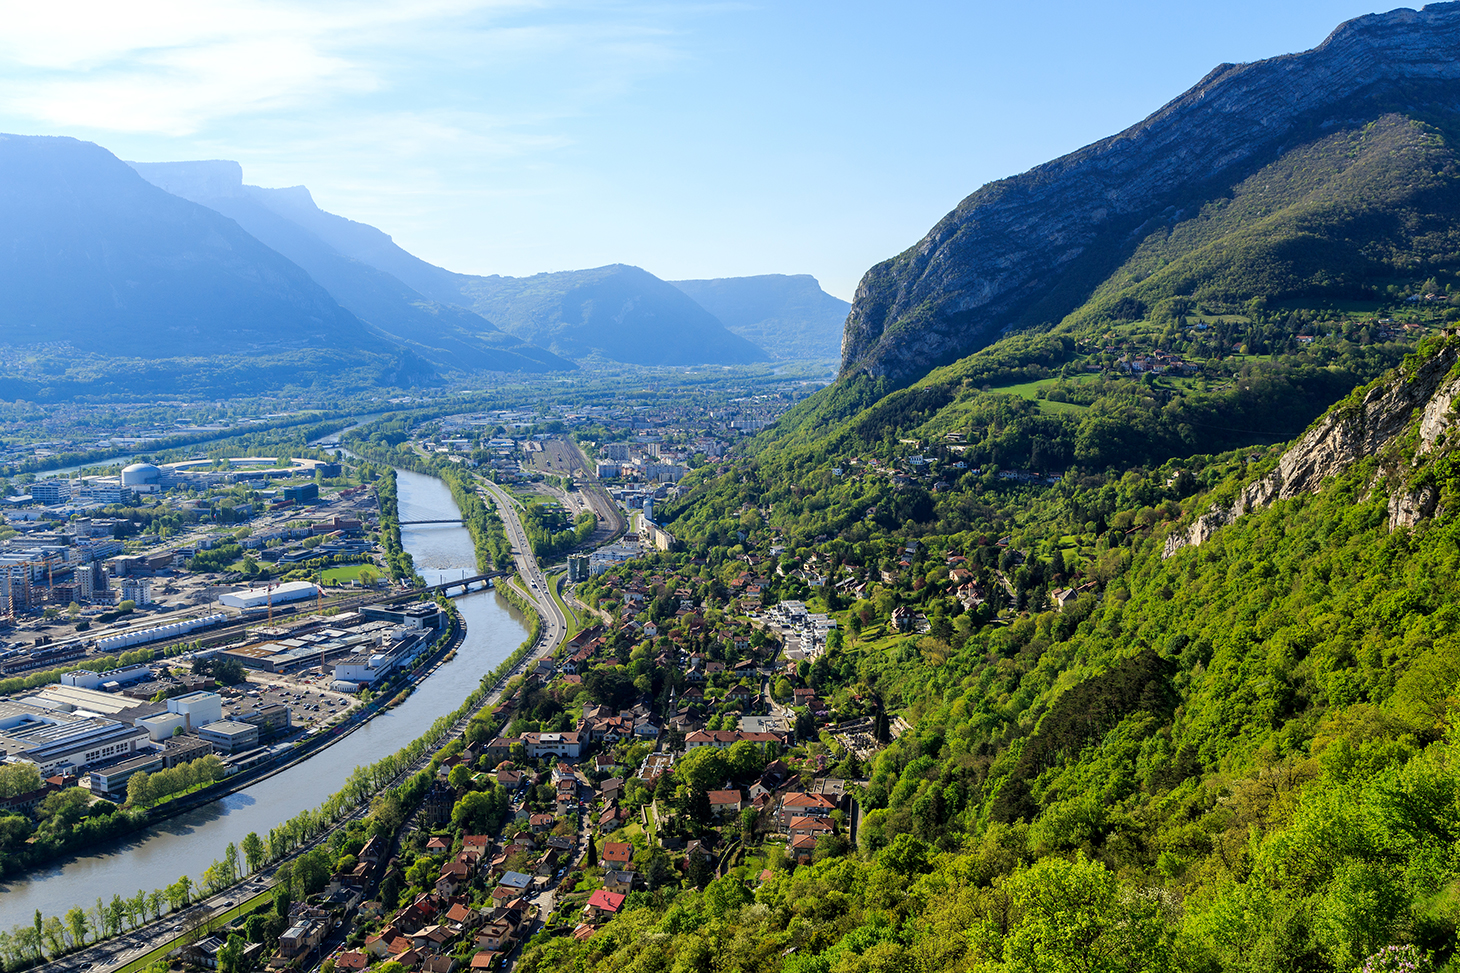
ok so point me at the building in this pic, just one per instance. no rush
(272, 719)
(230, 736)
(142, 478)
(273, 594)
(54, 490)
(300, 494)
(137, 590)
(422, 614)
(579, 566)
(111, 781)
(197, 709)
(540, 745)
(56, 741)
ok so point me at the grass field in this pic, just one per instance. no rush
(346, 573)
(1029, 390)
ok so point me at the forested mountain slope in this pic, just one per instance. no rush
(1240, 756)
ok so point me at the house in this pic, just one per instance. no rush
(496, 937)
(800, 804)
(486, 960)
(551, 745)
(723, 739)
(378, 945)
(725, 802)
(204, 952)
(801, 848)
(453, 874)
(603, 904)
(462, 917)
(540, 823)
(612, 819)
(351, 959)
(617, 853)
(618, 881)
(432, 937)
(611, 789)
(814, 827)
(438, 963)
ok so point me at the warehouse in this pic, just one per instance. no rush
(277, 594)
(55, 741)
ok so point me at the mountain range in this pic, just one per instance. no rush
(790, 316)
(241, 288)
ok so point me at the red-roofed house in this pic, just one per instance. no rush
(801, 804)
(617, 852)
(603, 903)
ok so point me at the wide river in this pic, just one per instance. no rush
(188, 844)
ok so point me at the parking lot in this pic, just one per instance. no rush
(308, 702)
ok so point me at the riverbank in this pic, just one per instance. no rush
(188, 840)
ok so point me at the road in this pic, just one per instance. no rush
(120, 950)
(555, 624)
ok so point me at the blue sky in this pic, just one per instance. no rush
(692, 139)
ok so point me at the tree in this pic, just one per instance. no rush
(230, 957)
(139, 793)
(19, 778)
(460, 778)
(253, 851)
(1072, 916)
(77, 925)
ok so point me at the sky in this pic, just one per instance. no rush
(693, 139)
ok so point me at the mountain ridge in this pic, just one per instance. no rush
(452, 337)
(788, 315)
(1034, 246)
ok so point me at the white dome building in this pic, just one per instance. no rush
(142, 477)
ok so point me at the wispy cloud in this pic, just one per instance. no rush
(173, 68)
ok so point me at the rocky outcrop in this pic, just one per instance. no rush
(1344, 435)
(1023, 245)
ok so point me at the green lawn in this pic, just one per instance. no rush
(346, 573)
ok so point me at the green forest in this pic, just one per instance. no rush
(1238, 757)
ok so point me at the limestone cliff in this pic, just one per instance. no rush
(1348, 433)
(1034, 246)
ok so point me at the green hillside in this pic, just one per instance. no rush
(1240, 757)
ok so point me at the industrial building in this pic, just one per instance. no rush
(230, 736)
(272, 719)
(56, 741)
(422, 614)
(403, 647)
(275, 594)
(197, 708)
(313, 649)
(142, 478)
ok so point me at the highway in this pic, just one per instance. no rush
(555, 624)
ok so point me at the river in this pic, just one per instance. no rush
(187, 844)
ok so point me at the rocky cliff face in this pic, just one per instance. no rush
(1346, 434)
(1039, 242)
